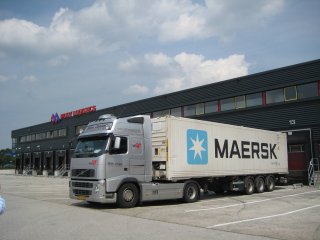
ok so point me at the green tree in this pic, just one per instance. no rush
(7, 161)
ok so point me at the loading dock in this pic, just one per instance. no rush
(19, 163)
(60, 163)
(48, 163)
(37, 164)
(299, 154)
(27, 163)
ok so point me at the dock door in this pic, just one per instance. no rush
(37, 163)
(61, 167)
(18, 163)
(27, 163)
(48, 163)
(299, 155)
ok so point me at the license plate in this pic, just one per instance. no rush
(81, 197)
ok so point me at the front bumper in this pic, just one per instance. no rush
(91, 191)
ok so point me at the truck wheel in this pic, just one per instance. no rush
(127, 196)
(249, 186)
(270, 185)
(191, 192)
(259, 185)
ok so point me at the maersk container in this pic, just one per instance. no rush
(186, 148)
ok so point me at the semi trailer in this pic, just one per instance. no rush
(136, 159)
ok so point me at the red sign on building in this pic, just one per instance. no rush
(78, 112)
(56, 119)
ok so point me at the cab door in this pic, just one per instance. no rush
(136, 157)
(117, 162)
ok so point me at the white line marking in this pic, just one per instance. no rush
(260, 218)
(246, 203)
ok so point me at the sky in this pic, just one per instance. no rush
(63, 55)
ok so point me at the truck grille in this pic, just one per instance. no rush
(82, 173)
(80, 192)
(82, 184)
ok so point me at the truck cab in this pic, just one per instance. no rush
(112, 155)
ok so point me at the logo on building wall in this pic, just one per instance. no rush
(55, 118)
(197, 147)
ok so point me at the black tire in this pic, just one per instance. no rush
(270, 183)
(127, 196)
(249, 186)
(259, 185)
(191, 192)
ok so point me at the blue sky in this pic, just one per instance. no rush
(58, 56)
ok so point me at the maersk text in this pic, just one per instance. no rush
(244, 149)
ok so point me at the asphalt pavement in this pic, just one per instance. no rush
(39, 208)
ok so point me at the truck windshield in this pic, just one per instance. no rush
(90, 147)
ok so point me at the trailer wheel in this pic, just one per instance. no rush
(127, 196)
(191, 192)
(270, 185)
(249, 186)
(259, 185)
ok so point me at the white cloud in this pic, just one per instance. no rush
(189, 70)
(29, 79)
(136, 89)
(109, 25)
(158, 59)
(128, 65)
(58, 61)
(4, 78)
(168, 85)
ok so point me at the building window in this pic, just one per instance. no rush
(32, 137)
(63, 132)
(308, 90)
(49, 134)
(80, 129)
(161, 113)
(189, 110)
(200, 109)
(14, 143)
(254, 99)
(240, 102)
(176, 112)
(55, 133)
(290, 93)
(38, 136)
(210, 107)
(274, 96)
(227, 104)
(23, 139)
(43, 135)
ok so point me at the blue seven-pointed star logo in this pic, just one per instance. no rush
(197, 146)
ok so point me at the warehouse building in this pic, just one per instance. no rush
(285, 99)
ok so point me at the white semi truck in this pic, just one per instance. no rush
(136, 159)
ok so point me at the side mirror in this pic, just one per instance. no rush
(117, 143)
